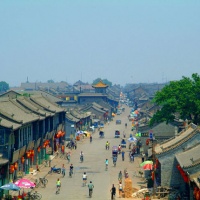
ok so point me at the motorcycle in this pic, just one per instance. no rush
(55, 170)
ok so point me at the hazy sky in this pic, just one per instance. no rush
(123, 41)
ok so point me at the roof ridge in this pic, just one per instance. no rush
(164, 150)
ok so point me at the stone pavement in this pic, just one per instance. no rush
(94, 157)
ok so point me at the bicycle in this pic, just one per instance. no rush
(58, 190)
(42, 182)
(34, 195)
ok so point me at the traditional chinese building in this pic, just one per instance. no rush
(31, 128)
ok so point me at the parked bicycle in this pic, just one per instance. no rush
(34, 195)
(41, 182)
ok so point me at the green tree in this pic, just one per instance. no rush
(179, 97)
(50, 81)
(4, 86)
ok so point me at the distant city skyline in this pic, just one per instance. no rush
(148, 41)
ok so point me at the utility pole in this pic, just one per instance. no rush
(153, 157)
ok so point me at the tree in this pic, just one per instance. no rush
(4, 86)
(50, 81)
(179, 97)
(105, 81)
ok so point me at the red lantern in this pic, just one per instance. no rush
(15, 166)
(38, 149)
(11, 169)
(31, 153)
(22, 160)
(28, 155)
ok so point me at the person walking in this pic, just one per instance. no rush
(120, 176)
(113, 191)
(120, 189)
(90, 187)
(58, 185)
(63, 170)
(123, 154)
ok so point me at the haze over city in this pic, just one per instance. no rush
(122, 41)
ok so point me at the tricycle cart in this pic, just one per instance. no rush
(114, 151)
(101, 134)
(117, 134)
(123, 143)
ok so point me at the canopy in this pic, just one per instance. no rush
(148, 167)
(24, 183)
(146, 162)
(132, 139)
(10, 186)
(79, 132)
(86, 133)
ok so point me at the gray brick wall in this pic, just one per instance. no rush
(170, 175)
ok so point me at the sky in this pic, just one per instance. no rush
(124, 41)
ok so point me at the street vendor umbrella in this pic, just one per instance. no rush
(79, 132)
(10, 186)
(24, 183)
(132, 139)
(148, 167)
(146, 162)
(87, 134)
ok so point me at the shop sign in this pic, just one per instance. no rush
(49, 150)
(15, 156)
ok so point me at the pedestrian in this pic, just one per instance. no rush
(123, 154)
(124, 134)
(113, 191)
(63, 170)
(75, 145)
(90, 187)
(143, 156)
(120, 176)
(58, 185)
(120, 189)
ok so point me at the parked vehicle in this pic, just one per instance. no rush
(123, 143)
(101, 134)
(118, 121)
(117, 134)
(55, 170)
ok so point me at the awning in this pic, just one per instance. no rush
(194, 178)
(3, 161)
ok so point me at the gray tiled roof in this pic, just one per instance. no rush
(177, 141)
(89, 107)
(17, 112)
(71, 117)
(26, 103)
(92, 95)
(189, 157)
(46, 104)
(9, 124)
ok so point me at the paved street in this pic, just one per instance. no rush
(94, 157)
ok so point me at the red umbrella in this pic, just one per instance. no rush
(148, 166)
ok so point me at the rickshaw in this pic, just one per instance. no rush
(114, 151)
(101, 134)
(117, 134)
(123, 143)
